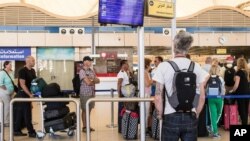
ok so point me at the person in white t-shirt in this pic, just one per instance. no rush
(123, 79)
(177, 124)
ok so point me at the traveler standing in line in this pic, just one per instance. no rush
(179, 124)
(123, 79)
(147, 90)
(25, 76)
(241, 88)
(88, 80)
(157, 61)
(6, 89)
(207, 64)
(215, 104)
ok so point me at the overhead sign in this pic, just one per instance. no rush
(158, 8)
(221, 51)
(14, 53)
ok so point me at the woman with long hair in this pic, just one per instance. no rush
(215, 104)
(6, 88)
(241, 88)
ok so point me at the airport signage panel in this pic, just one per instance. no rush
(157, 8)
(14, 53)
(221, 51)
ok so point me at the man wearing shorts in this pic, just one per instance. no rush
(87, 90)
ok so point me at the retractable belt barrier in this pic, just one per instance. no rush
(111, 100)
(76, 101)
(2, 120)
(230, 96)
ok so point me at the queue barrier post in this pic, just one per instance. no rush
(112, 125)
(2, 120)
(76, 101)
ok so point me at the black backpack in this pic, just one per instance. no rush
(213, 86)
(229, 76)
(184, 88)
(76, 84)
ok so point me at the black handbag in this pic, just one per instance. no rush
(15, 87)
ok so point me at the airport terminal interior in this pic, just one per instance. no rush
(60, 33)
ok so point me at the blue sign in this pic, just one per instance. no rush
(14, 53)
(128, 12)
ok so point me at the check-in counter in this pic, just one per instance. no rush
(106, 83)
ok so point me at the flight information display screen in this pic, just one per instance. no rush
(127, 12)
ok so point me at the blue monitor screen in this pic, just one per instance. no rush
(127, 12)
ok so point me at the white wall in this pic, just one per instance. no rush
(117, 39)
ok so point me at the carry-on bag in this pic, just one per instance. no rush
(59, 124)
(51, 90)
(130, 125)
(56, 113)
(230, 116)
(202, 122)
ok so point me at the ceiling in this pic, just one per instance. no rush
(79, 9)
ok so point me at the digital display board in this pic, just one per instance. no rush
(127, 12)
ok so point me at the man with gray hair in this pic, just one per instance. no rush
(179, 122)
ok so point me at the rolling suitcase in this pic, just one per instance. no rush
(155, 127)
(56, 113)
(202, 122)
(230, 116)
(59, 124)
(130, 125)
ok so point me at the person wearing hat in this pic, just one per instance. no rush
(87, 90)
(229, 73)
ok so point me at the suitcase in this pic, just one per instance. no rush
(202, 122)
(51, 90)
(155, 127)
(60, 124)
(55, 113)
(55, 105)
(130, 125)
(230, 116)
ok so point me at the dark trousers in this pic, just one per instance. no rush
(23, 111)
(243, 110)
(179, 126)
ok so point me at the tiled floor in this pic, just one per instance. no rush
(100, 117)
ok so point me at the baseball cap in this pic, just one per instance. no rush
(229, 59)
(87, 58)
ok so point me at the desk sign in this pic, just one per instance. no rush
(239, 132)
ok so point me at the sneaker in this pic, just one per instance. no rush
(209, 130)
(216, 135)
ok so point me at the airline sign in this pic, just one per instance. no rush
(160, 8)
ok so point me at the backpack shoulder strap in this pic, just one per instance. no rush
(174, 66)
(191, 67)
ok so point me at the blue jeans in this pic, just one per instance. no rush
(179, 126)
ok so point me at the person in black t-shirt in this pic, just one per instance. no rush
(241, 88)
(25, 76)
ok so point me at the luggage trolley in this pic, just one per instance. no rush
(55, 119)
